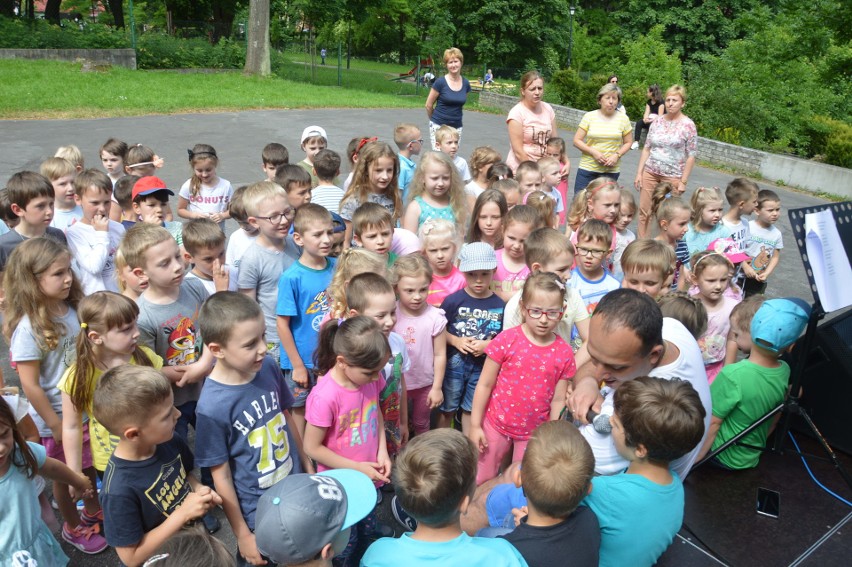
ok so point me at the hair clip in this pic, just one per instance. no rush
(340, 321)
(364, 142)
(158, 162)
(707, 256)
(192, 154)
(560, 284)
(84, 325)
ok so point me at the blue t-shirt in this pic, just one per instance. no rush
(406, 174)
(592, 291)
(638, 518)
(138, 496)
(448, 107)
(699, 241)
(303, 296)
(463, 551)
(243, 425)
(473, 317)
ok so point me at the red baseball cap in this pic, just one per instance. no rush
(148, 185)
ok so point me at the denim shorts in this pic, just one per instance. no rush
(460, 379)
(300, 394)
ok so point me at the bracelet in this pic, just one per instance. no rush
(684, 181)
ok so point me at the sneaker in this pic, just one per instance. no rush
(90, 520)
(402, 516)
(634, 146)
(211, 523)
(86, 539)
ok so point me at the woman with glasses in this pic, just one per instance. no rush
(448, 96)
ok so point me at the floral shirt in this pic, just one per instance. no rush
(672, 142)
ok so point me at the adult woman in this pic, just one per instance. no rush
(531, 122)
(654, 107)
(448, 95)
(604, 136)
(668, 155)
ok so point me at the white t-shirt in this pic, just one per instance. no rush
(94, 254)
(461, 166)
(63, 219)
(328, 196)
(238, 243)
(210, 285)
(473, 189)
(622, 240)
(209, 200)
(763, 240)
(688, 366)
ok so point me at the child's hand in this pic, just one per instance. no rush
(374, 471)
(56, 433)
(478, 347)
(82, 488)
(519, 514)
(748, 270)
(190, 376)
(300, 376)
(196, 504)
(404, 433)
(477, 435)
(464, 345)
(221, 276)
(248, 549)
(435, 397)
(100, 222)
(217, 217)
(385, 465)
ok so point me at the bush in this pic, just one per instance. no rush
(573, 91)
(833, 139)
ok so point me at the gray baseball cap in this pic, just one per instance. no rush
(477, 256)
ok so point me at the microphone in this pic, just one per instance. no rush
(599, 421)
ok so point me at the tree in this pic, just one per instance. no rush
(116, 8)
(51, 11)
(257, 48)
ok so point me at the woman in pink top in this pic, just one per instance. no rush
(531, 122)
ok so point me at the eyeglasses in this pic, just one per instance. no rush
(552, 314)
(275, 218)
(418, 141)
(589, 252)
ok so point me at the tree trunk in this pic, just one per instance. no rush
(223, 19)
(51, 11)
(117, 9)
(7, 8)
(257, 49)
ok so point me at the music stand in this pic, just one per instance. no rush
(791, 406)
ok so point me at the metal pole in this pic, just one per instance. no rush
(339, 63)
(571, 34)
(132, 26)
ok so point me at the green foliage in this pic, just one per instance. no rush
(160, 51)
(38, 34)
(832, 139)
(573, 91)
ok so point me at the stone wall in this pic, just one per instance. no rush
(793, 171)
(116, 57)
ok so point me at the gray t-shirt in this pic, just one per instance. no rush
(11, 239)
(260, 269)
(172, 332)
(25, 346)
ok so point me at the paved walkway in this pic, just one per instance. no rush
(239, 137)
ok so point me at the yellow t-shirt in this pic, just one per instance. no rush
(102, 443)
(605, 134)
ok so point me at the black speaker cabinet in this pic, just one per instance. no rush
(827, 383)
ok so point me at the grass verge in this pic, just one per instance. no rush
(51, 89)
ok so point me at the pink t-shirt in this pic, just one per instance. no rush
(715, 339)
(442, 286)
(350, 416)
(521, 398)
(418, 332)
(536, 127)
(504, 280)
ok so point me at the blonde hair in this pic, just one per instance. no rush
(701, 199)
(545, 244)
(438, 229)
(687, 309)
(474, 233)
(72, 153)
(24, 297)
(198, 153)
(411, 266)
(445, 132)
(547, 161)
(202, 233)
(648, 255)
(453, 53)
(526, 168)
(677, 90)
(256, 193)
(360, 188)
(138, 239)
(608, 88)
(628, 199)
(481, 158)
(403, 134)
(580, 205)
(456, 193)
(120, 264)
(55, 167)
(700, 261)
(350, 263)
(664, 203)
(543, 281)
(544, 204)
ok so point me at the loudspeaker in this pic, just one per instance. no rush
(827, 383)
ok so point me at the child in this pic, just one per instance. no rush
(9, 218)
(352, 148)
(296, 183)
(327, 168)
(112, 154)
(510, 189)
(528, 177)
(688, 310)
(240, 240)
(741, 194)
(61, 174)
(512, 270)
(437, 192)
(489, 213)
(243, 400)
(440, 246)
(765, 242)
(435, 478)
(73, 154)
(556, 149)
(345, 430)
(149, 492)
(547, 250)
(303, 302)
(130, 284)
(447, 142)
(745, 391)
(648, 266)
(375, 180)
(371, 295)
(205, 194)
(741, 317)
(317, 511)
(589, 278)
(122, 195)
(482, 158)
(27, 539)
(550, 169)
(141, 161)
(352, 262)
(545, 206)
(711, 276)
(372, 228)
(204, 243)
(497, 172)
(422, 326)
(623, 235)
(41, 326)
(151, 205)
(704, 226)
(270, 254)
(313, 140)
(655, 422)
(273, 156)
(474, 317)
(524, 378)
(108, 335)
(94, 240)
(600, 200)
(673, 214)
(408, 139)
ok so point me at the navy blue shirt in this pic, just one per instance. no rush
(448, 108)
(473, 317)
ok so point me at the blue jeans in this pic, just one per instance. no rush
(460, 379)
(584, 177)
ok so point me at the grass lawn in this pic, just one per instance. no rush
(50, 89)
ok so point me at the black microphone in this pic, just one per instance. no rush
(599, 421)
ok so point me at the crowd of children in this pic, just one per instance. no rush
(326, 350)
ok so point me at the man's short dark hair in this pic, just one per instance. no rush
(628, 308)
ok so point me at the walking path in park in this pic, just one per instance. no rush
(239, 137)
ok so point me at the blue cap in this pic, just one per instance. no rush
(779, 323)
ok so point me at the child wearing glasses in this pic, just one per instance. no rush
(408, 139)
(524, 377)
(589, 278)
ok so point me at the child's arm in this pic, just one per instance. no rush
(28, 371)
(321, 454)
(288, 343)
(230, 503)
(307, 464)
(220, 216)
(764, 275)
(683, 278)
(411, 220)
(712, 431)
(72, 434)
(221, 276)
(184, 212)
(198, 370)
(382, 458)
(403, 412)
(58, 471)
(487, 380)
(347, 236)
(558, 402)
(436, 394)
(91, 255)
(731, 349)
(581, 357)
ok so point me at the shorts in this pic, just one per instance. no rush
(499, 504)
(274, 350)
(54, 449)
(460, 379)
(300, 394)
